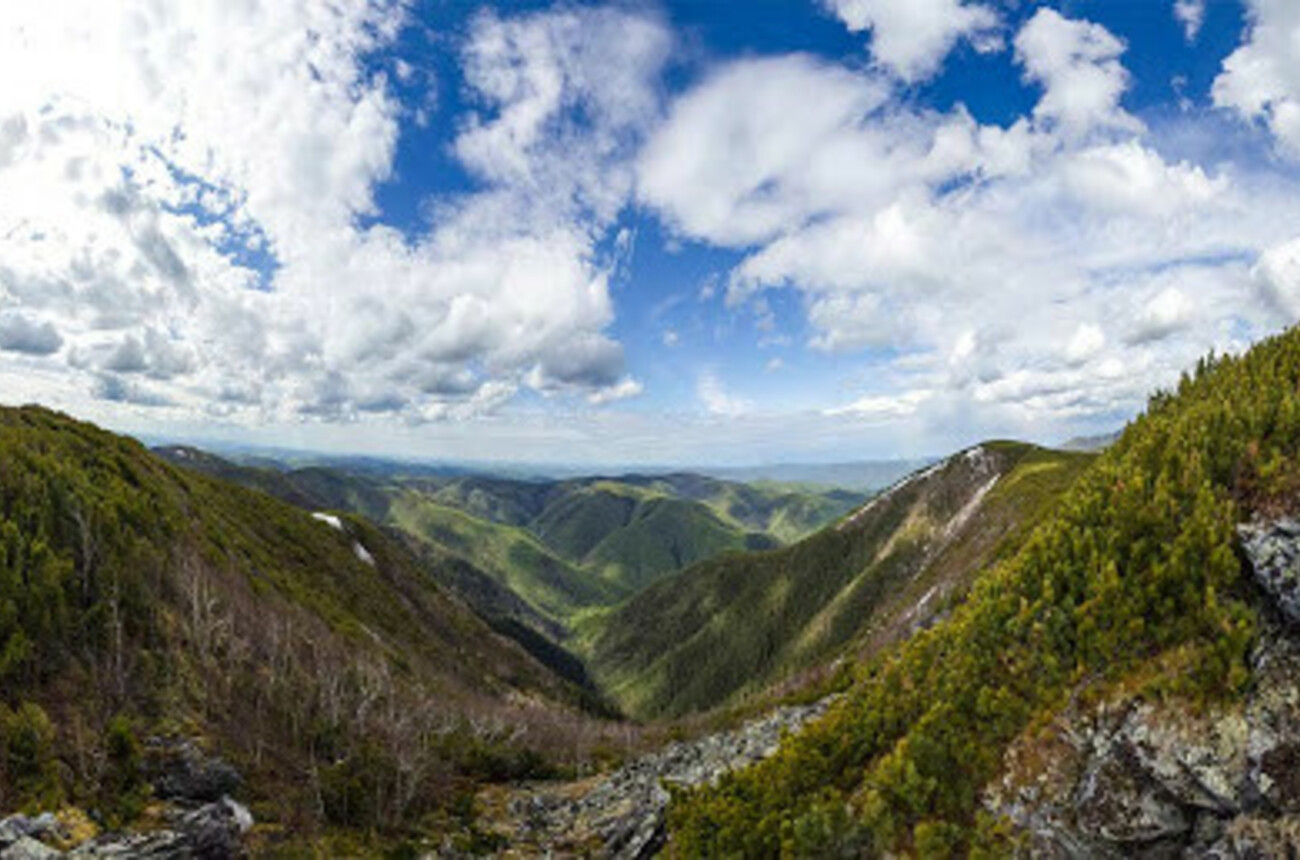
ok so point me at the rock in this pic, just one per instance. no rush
(217, 830)
(1133, 778)
(211, 832)
(179, 770)
(28, 848)
(15, 827)
(622, 816)
(1273, 549)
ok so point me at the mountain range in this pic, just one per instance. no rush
(375, 653)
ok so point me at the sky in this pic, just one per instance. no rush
(685, 232)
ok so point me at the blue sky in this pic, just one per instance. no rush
(674, 233)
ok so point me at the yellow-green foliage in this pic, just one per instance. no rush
(1138, 560)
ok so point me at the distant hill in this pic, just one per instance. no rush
(562, 548)
(861, 475)
(737, 624)
(1091, 443)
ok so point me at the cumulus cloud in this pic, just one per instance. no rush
(20, 334)
(1261, 79)
(1077, 63)
(1057, 268)
(884, 407)
(1191, 14)
(911, 38)
(149, 171)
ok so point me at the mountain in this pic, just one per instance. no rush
(564, 548)
(1122, 684)
(511, 555)
(316, 653)
(858, 475)
(736, 624)
(1093, 444)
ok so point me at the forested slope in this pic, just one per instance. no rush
(314, 652)
(1133, 581)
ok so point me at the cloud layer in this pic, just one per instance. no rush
(190, 226)
(191, 182)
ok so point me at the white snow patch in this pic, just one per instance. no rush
(329, 520)
(363, 554)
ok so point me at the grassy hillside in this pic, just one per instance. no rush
(319, 656)
(563, 547)
(1132, 581)
(736, 624)
(511, 555)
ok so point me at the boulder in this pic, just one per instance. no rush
(179, 770)
(28, 848)
(1273, 550)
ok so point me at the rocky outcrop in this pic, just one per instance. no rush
(1274, 552)
(179, 770)
(1138, 779)
(213, 831)
(622, 814)
(200, 819)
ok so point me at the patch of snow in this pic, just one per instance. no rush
(363, 554)
(182, 454)
(329, 520)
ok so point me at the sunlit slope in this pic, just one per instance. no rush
(1132, 582)
(738, 623)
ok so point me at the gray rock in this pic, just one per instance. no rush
(623, 815)
(1273, 549)
(211, 832)
(15, 827)
(28, 848)
(179, 770)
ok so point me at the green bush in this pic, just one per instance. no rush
(31, 771)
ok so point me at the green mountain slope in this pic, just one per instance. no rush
(563, 547)
(511, 555)
(1132, 583)
(739, 623)
(318, 655)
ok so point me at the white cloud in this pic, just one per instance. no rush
(142, 164)
(748, 154)
(717, 400)
(21, 334)
(1191, 14)
(624, 390)
(1054, 270)
(1169, 312)
(1077, 64)
(884, 407)
(911, 38)
(1261, 79)
(1277, 277)
(1087, 341)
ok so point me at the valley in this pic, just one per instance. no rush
(473, 664)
